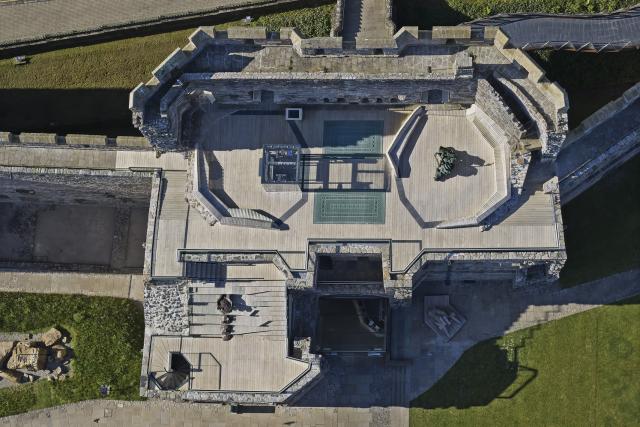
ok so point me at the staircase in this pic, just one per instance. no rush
(364, 19)
(398, 382)
(259, 309)
(204, 270)
(174, 204)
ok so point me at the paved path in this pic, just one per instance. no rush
(28, 22)
(154, 413)
(105, 285)
(364, 18)
(612, 32)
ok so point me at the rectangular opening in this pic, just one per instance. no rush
(293, 113)
(351, 324)
(349, 269)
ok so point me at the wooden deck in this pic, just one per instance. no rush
(244, 363)
(255, 359)
(237, 142)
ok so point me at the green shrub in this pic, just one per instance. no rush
(312, 22)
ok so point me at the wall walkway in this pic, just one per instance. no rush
(601, 32)
(603, 141)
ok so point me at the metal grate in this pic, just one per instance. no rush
(353, 136)
(349, 208)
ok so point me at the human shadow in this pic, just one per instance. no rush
(466, 164)
(239, 304)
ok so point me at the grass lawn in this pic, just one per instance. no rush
(86, 89)
(578, 371)
(603, 227)
(107, 335)
(122, 64)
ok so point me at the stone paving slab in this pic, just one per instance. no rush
(34, 21)
(151, 413)
(106, 285)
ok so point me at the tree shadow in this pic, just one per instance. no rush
(426, 13)
(62, 111)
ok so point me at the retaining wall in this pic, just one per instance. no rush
(74, 186)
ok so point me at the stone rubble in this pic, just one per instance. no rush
(51, 337)
(165, 307)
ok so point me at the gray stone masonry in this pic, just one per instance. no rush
(494, 106)
(166, 308)
(74, 186)
(75, 141)
(154, 201)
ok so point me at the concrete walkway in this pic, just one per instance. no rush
(104, 285)
(25, 23)
(155, 413)
(599, 32)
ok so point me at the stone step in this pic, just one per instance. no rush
(255, 321)
(214, 330)
(213, 310)
(257, 300)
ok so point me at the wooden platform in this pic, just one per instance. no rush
(244, 363)
(237, 142)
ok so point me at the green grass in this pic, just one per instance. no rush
(602, 230)
(122, 64)
(578, 371)
(107, 335)
(85, 89)
(427, 13)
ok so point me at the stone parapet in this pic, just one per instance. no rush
(553, 136)
(337, 19)
(468, 265)
(490, 101)
(581, 179)
(600, 116)
(75, 140)
(75, 186)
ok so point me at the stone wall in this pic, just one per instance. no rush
(588, 174)
(74, 140)
(74, 186)
(318, 73)
(337, 18)
(490, 101)
(604, 114)
(154, 203)
(166, 308)
(469, 265)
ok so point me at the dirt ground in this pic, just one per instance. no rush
(73, 234)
